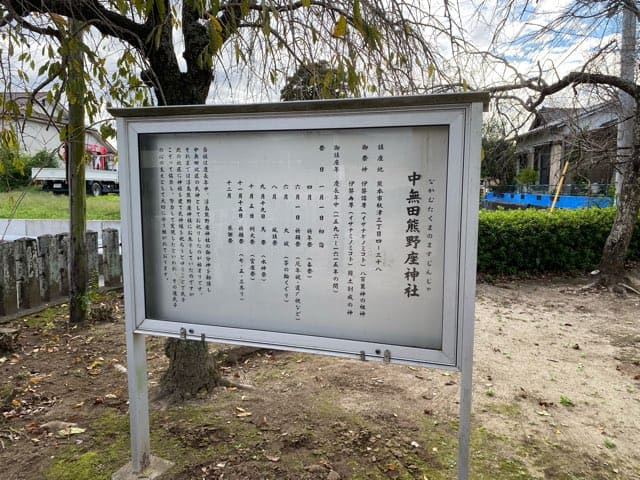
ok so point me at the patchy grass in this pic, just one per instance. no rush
(32, 203)
(199, 441)
(107, 451)
(307, 416)
(504, 409)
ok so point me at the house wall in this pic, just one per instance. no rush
(36, 136)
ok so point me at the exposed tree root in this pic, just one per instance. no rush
(236, 355)
(630, 288)
(240, 386)
(590, 286)
(619, 284)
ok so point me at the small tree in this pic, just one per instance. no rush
(499, 157)
(13, 170)
(526, 176)
(16, 166)
(316, 81)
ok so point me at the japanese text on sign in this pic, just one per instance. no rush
(346, 227)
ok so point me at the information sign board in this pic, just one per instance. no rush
(344, 227)
(341, 230)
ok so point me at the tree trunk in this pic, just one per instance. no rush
(192, 368)
(617, 243)
(627, 162)
(76, 89)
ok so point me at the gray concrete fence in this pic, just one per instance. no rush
(35, 271)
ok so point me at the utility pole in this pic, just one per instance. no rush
(627, 102)
(75, 91)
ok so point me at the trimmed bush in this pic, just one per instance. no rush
(534, 241)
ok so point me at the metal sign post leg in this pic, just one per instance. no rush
(138, 401)
(142, 465)
(464, 424)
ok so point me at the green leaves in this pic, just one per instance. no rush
(340, 28)
(357, 15)
(214, 29)
(244, 7)
(266, 19)
(8, 138)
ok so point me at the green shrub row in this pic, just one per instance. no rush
(16, 167)
(534, 241)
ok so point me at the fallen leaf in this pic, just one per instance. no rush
(544, 413)
(65, 432)
(33, 428)
(78, 405)
(96, 363)
(56, 425)
(272, 458)
(2, 360)
(120, 368)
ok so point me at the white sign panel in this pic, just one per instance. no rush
(340, 231)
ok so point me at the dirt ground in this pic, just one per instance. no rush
(556, 396)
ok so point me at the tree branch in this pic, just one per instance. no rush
(574, 78)
(91, 11)
(50, 32)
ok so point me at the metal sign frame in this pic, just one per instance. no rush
(462, 113)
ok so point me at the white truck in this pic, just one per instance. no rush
(98, 182)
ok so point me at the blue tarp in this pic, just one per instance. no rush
(544, 200)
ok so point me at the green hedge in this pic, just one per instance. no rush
(534, 241)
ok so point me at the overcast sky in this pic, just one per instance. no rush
(516, 35)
